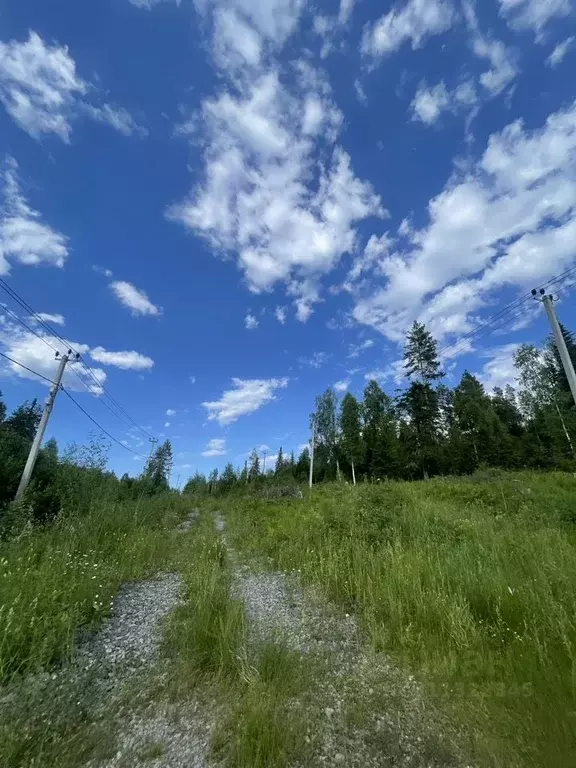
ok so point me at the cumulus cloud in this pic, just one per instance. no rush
(280, 313)
(560, 51)
(500, 369)
(251, 322)
(413, 22)
(215, 447)
(508, 221)
(429, 102)
(276, 191)
(133, 298)
(170, 412)
(503, 67)
(38, 352)
(127, 360)
(246, 396)
(24, 238)
(41, 90)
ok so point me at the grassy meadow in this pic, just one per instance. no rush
(470, 583)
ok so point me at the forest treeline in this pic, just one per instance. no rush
(428, 428)
(69, 482)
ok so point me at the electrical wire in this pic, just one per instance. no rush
(100, 427)
(30, 330)
(24, 304)
(502, 314)
(40, 375)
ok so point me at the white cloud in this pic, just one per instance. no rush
(49, 318)
(316, 360)
(267, 196)
(127, 360)
(170, 412)
(502, 62)
(360, 92)
(167, 424)
(149, 4)
(251, 322)
(356, 351)
(23, 236)
(414, 22)
(37, 352)
(274, 20)
(42, 92)
(116, 117)
(500, 369)
(215, 447)
(280, 313)
(102, 271)
(342, 386)
(247, 396)
(236, 43)
(428, 103)
(560, 51)
(534, 14)
(133, 298)
(346, 8)
(508, 220)
(192, 379)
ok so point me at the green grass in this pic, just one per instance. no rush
(471, 583)
(56, 585)
(251, 687)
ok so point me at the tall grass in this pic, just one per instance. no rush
(470, 582)
(58, 580)
(251, 688)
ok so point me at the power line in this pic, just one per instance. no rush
(40, 375)
(30, 330)
(24, 304)
(502, 314)
(100, 427)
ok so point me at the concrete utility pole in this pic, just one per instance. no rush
(312, 443)
(548, 301)
(39, 436)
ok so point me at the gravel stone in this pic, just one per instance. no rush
(133, 633)
(188, 522)
(363, 711)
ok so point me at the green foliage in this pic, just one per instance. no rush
(24, 420)
(156, 476)
(420, 354)
(470, 582)
(351, 441)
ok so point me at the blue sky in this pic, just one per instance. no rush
(227, 205)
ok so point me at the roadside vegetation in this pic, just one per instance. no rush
(470, 583)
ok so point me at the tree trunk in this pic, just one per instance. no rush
(338, 470)
(353, 474)
(565, 429)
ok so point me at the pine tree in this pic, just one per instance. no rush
(351, 432)
(420, 401)
(2, 409)
(477, 423)
(228, 478)
(254, 465)
(24, 420)
(158, 468)
(279, 462)
(420, 354)
(379, 431)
